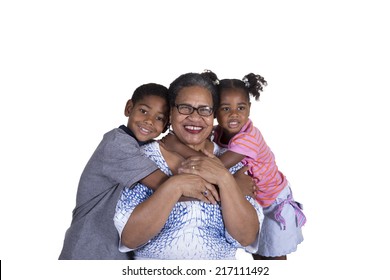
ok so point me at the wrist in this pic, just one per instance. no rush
(225, 178)
(172, 188)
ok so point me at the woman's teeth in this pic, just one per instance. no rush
(191, 127)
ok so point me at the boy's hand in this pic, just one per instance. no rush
(172, 144)
(169, 142)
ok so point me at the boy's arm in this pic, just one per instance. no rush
(154, 179)
(172, 144)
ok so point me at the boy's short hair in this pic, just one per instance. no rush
(150, 89)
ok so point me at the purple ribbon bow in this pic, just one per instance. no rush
(300, 217)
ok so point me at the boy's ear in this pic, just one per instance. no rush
(129, 107)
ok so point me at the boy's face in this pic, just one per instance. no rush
(147, 117)
(233, 111)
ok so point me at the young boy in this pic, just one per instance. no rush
(116, 163)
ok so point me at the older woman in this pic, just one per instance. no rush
(162, 225)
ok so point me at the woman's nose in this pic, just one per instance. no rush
(195, 114)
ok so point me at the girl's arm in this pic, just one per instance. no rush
(245, 182)
(230, 158)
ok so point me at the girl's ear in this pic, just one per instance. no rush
(129, 107)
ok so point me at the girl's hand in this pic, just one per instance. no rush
(245, 182)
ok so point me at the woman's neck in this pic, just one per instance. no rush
(206, 145)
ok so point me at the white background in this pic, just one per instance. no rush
(67, 69)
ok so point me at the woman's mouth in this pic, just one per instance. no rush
(193, 129)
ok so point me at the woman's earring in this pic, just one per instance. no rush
(170, 131)
(167, 126)
(211, 136)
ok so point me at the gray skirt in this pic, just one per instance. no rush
(281, 229)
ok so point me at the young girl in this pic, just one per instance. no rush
(281, 229)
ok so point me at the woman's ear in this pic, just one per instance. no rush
(168, 124)
(129, 107)
(166, 127)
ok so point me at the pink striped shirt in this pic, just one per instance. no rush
(259, 159)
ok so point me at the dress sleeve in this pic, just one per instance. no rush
(130, 198)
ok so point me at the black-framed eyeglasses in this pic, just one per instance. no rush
(186, 109)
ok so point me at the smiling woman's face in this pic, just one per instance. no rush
(193, 129)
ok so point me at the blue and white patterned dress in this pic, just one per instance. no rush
(194, 229)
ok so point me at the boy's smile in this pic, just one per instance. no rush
(148, 117)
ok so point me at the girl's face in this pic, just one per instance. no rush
(233, 111)
(147, 117)
(192, 129)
